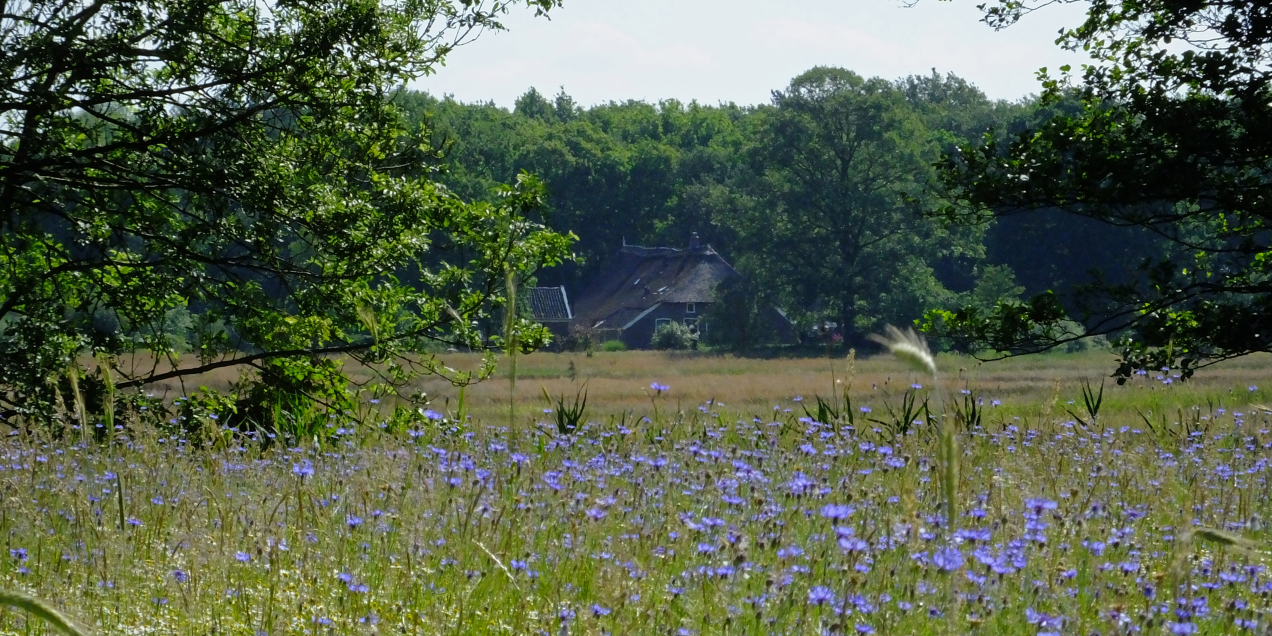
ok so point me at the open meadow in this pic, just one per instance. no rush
(700, 494)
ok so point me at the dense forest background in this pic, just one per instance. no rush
(823, 198)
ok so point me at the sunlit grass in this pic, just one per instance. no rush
(701, 519)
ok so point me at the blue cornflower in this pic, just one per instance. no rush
(242, 557)
(837, 511)
(819, 595)
(853, 544)
(432, 415)
(948, 559)
(353, 521)
(1039, 504)
(304, 469)
(180, 576)
(659, 387)
(599, 610)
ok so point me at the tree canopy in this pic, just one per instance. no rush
(838, 160)
(236, 176)
(776, 188)
(1167, 132)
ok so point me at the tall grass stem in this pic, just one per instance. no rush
(42, 610)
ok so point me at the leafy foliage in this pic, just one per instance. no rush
(839, 159)
(242, 164)
(1170, 137)
(743, 315)
(673, 335)
(655, 173)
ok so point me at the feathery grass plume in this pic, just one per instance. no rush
(81, 418)
(42, 610)
(910, 348)
(1223, 538)
(367, 315)
(1228, 540)
(108, 400)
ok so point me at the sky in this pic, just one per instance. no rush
(739, 51)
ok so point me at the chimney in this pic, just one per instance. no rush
(694, 242)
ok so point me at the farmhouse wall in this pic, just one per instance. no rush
(641, 334)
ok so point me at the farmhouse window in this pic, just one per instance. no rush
(691, 308)
(660, 322)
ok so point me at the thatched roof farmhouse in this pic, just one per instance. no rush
(643, 287)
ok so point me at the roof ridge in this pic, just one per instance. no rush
(640, 250)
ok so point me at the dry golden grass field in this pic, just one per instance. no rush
(618, 382)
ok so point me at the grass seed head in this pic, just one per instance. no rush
(909, 347)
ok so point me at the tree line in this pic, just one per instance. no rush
(191, 186)
(825, 199)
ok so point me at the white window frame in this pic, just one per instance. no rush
(658, 322)
(691, 308)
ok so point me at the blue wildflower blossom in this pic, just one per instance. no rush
(820, 595)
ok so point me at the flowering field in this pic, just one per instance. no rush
(701, 521)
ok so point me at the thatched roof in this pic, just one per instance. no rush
(550, 304)
(640, 277)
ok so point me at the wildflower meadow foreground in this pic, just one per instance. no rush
(701, 521)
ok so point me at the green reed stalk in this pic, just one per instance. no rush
(510, 345)
(949, 458)
(72, 376)
(108, 402)
(42, 610)
(908, 347)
